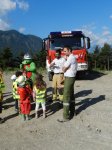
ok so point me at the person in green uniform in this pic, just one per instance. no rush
(70, 70)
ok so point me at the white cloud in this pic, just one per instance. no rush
(6, 6)
(21, 29)
(101, 41)
(22, 4)
(4, 25)
(9, 5)
(97, 38)
(106, 32)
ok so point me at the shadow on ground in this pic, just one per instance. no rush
(84, 104)
(83, 93)
(10, 116)
(51, 108)
(49, 89)
(9, 102)
(7, 94)
(90, 75)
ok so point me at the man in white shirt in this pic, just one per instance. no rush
(58, 76)
(70, 70)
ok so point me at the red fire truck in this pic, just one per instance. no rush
(75, 39)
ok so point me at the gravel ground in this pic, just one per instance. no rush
(91, 129)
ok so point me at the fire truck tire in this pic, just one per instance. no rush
(81, 74)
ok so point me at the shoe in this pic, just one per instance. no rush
(28, 117)
(73, 115)
(24, 117)
(16, 110)
(63, 120)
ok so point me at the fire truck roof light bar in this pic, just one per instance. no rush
(73, 33)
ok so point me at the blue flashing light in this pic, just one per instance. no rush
(77, 32)
(66, 33)
(55, 33)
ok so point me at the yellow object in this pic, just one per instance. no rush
(2, 86)
(40, 95)
(15, 93)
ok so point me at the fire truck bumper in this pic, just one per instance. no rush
(82, 67)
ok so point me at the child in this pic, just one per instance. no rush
(2, 86)
(39, 94)
(15, 94)
(25, 93)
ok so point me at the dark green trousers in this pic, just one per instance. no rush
(68, 97)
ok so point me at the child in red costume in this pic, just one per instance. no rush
(25, 94)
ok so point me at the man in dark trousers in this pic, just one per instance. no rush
(69, 69)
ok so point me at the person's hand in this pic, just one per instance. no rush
(63, 69)
(61, 86)
(65, 57)
(51, 65)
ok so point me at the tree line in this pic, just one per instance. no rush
(9, 61)
(101, 57)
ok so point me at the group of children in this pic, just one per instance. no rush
(23, 93)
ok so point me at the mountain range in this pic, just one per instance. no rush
(19, 42)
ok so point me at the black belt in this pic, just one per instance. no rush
(59, 73)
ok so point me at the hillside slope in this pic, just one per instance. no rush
(19, 42)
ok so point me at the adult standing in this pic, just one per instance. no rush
(69, 69)
(58, 76)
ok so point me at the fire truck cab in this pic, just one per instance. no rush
(75, 39)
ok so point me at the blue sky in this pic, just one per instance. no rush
(39, 17)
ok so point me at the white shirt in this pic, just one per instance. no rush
(72, 64)
(59, 63)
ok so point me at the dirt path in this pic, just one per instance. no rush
(91, 129)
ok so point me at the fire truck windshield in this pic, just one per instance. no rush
(74, 42)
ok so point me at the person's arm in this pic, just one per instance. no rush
(52, 63)
(65, 57)
(32, 67)
(66, 66)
